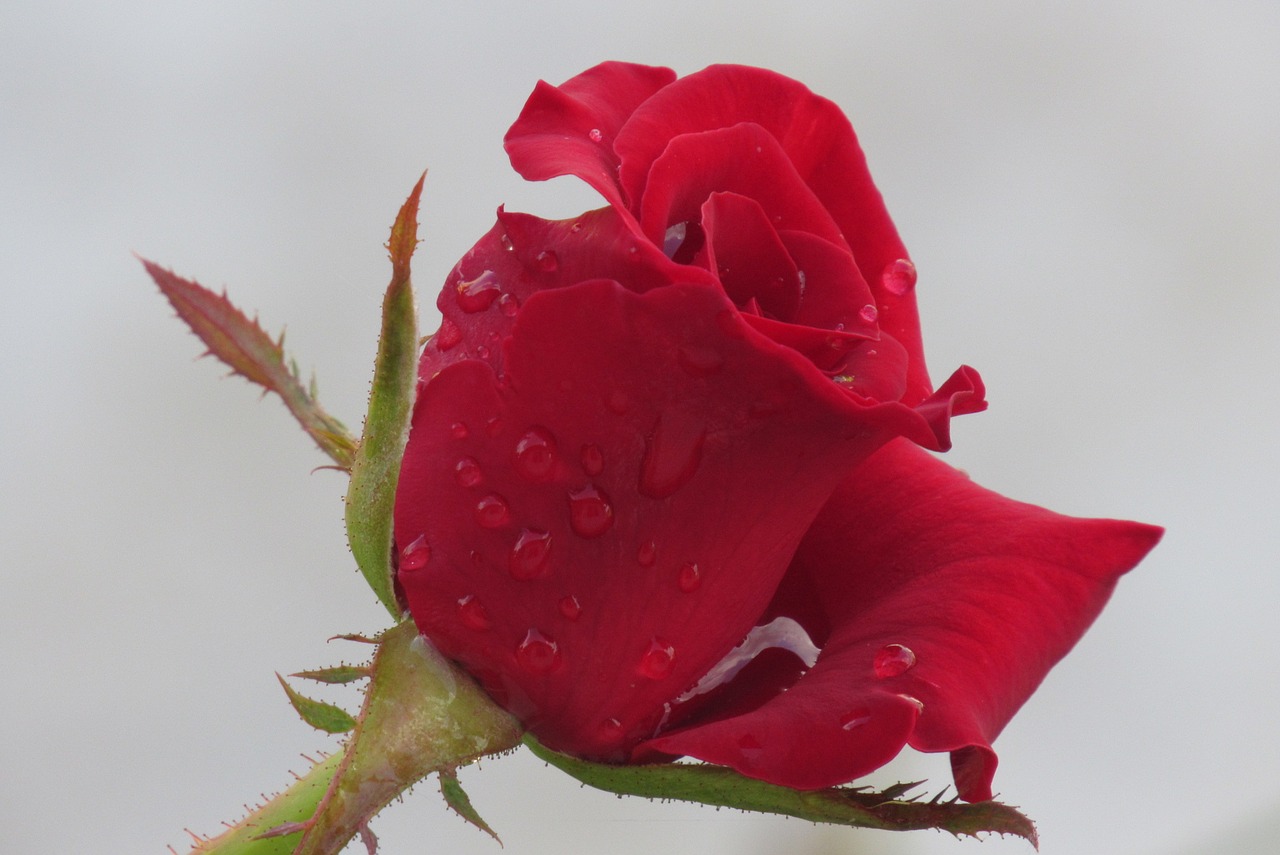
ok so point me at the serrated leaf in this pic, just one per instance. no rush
(335, 675)
(460, 802)
(318, 714)
(376, 466)
(246, 348)
(723, 787)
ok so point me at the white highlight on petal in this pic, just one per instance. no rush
(781, 632)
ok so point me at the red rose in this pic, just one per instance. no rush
(661, 495)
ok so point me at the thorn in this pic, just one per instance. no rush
(194, 836)
(308, 759)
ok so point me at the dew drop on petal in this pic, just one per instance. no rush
(690, 578)
(646, 554)
(529, 557)
(855, 718)
(509, 305)
(893, 660)
(482, 352)
(658, 660)
(590, 514)
(492, 511)
(899, 277)
(869, 313)
(915, 702)
(592, 459)
(476, 295)
(610, 730)
(416, 555)
(594, 135)
(459, 430)
(467, 472)
(547, 261)
(538, 654)
(672, 455)
(570, 608)
(493, 426)
(699, 361)
(535, 454)
(447, 336)
(750, 748)
(473, 614)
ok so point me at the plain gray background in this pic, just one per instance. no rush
(1090, 194)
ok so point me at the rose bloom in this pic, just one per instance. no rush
(667, 490)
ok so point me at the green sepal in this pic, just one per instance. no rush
(376, 467)
(318, 714)
(854, 806)
(457, 798)
(335, 675)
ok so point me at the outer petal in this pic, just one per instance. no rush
(982, 594)
(825, 152)
(569, 129)
(589, 536)
(522, 255)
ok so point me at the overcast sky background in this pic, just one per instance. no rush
(1091, 197)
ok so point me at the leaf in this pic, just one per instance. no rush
(318, 714)
(376, 467)
(337, 674)
(723, 787)
(458, 799)
(246, 348)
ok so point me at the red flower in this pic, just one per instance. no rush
(660, 495)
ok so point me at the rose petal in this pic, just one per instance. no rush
(984, 593)
(569, 129)
(748, 256)
(824, 151)
(743, 159)
(622, 420)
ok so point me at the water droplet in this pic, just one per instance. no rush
(547, 261)
(467, 472)
(690, 578)
(448, 335)
(536, 454)
(482, 352)
(509, 305)
(802, 279)
(610, 730)
(538, 654)
(595, 135)
(476, 295)
(672, 454)
(915, 702)
(473, 614)
(751, 749)
(647, 553)
(459, 430)
(869, 313)
(658, 660)
(416, 555)
(576, 227)
(592, 459)
(528, 559)
(892, 660)
(674, 237)
(699, 361)
(617, 402)
(493, 426)
(855, 718)
(492, 511)
(899, 277)
(590, 514)
(570, 608)
(506, 242)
